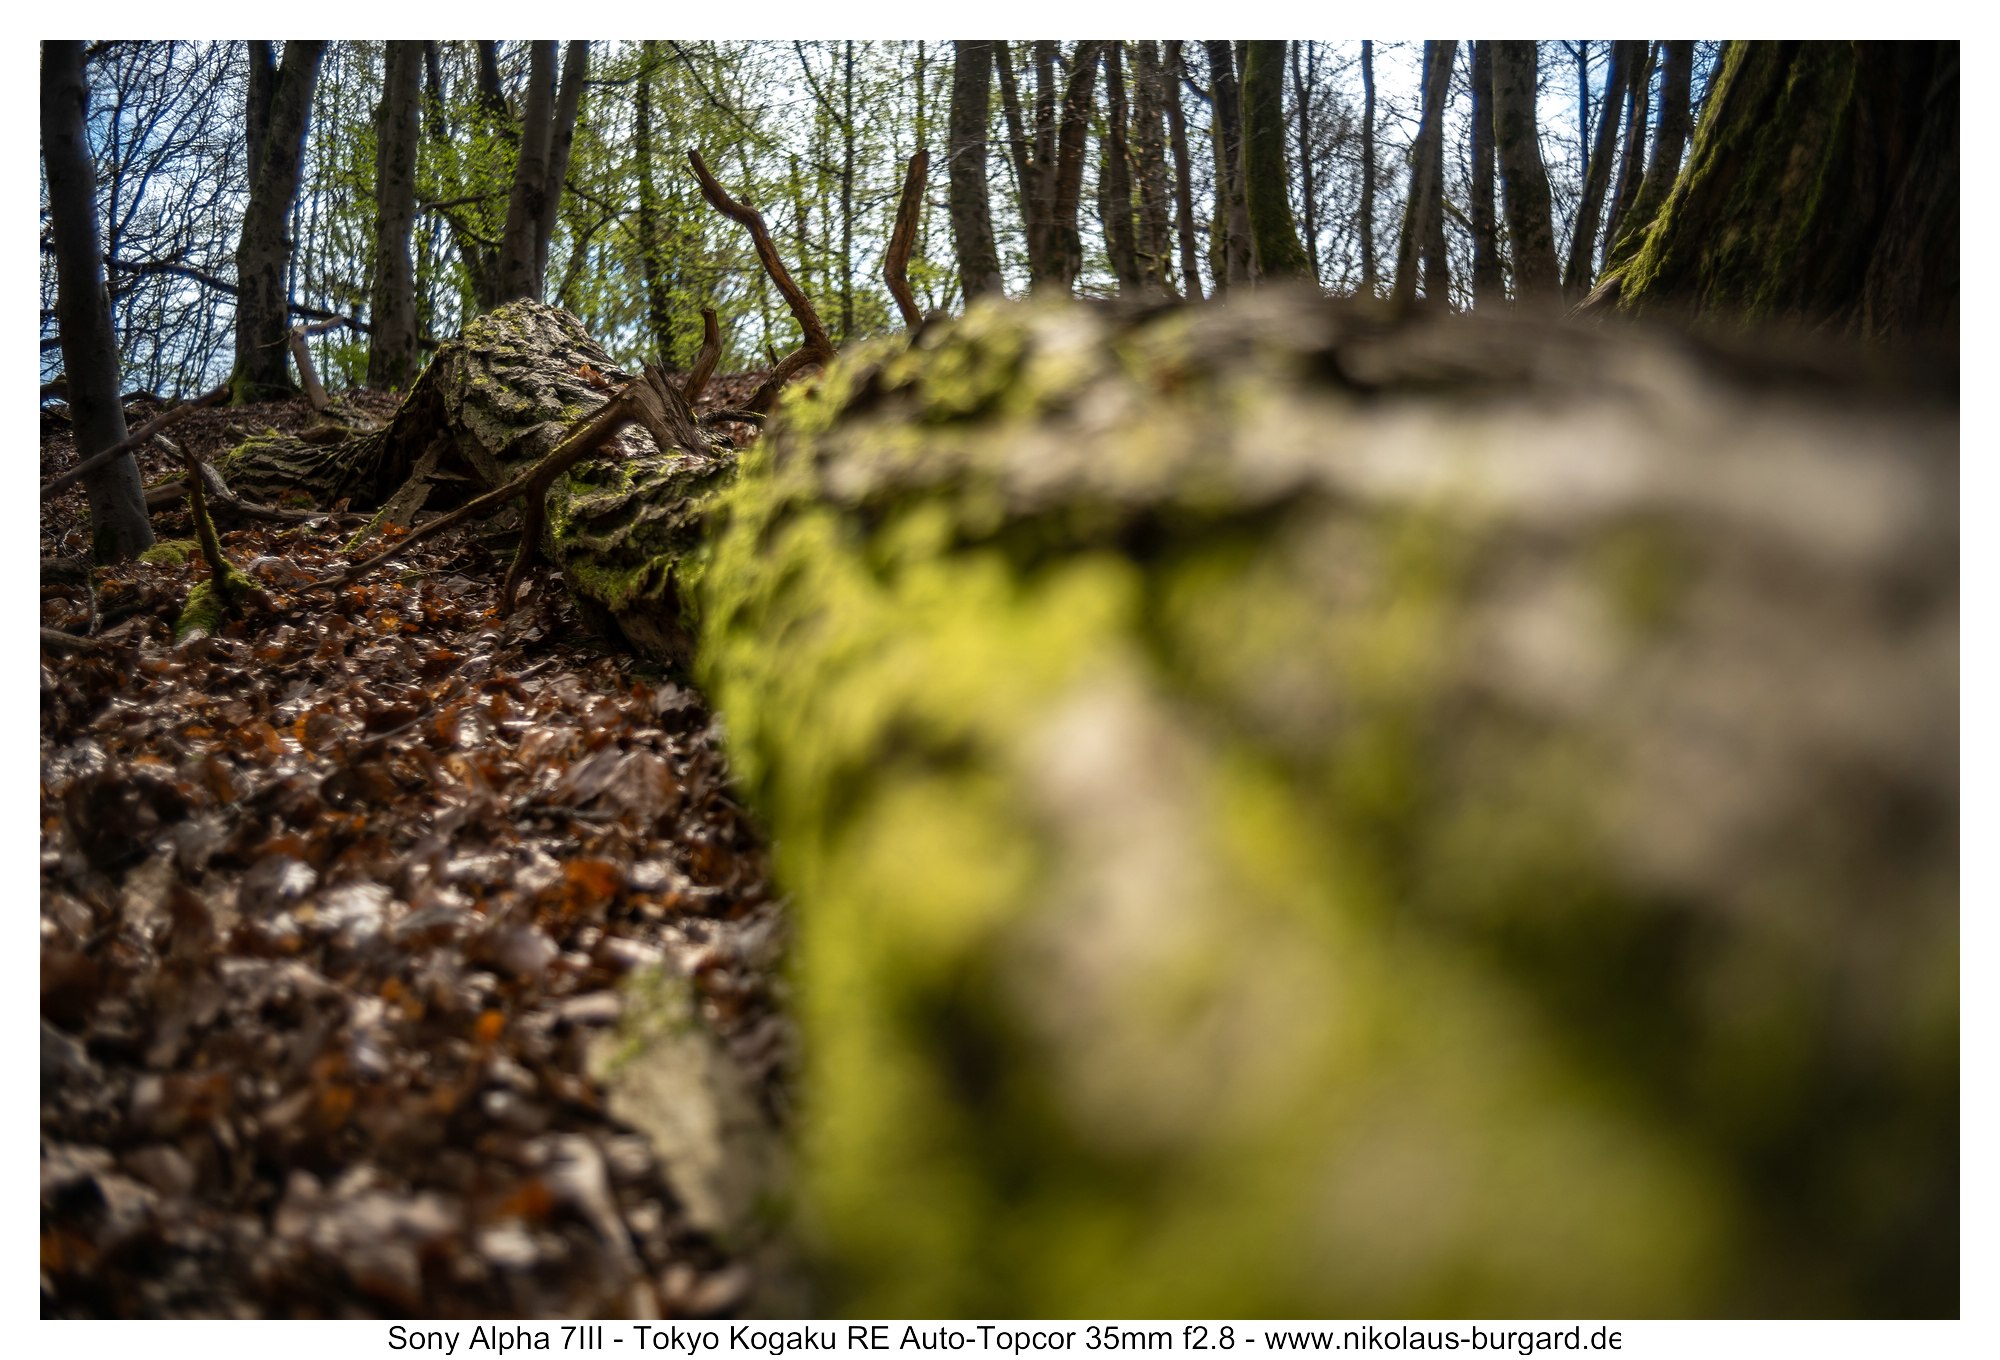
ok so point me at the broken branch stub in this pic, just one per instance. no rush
(818, 347)
(895, 264)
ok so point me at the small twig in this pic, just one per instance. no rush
(132, 440)
(904, 238)
(704, 362)
(730, 413)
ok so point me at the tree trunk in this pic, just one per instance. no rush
(971, 211)
(848, 165)
(1232, 259)
(518, 277)
(1063, 252)
(659, 308)
(1370, 282)
(1597, 177)
(1669, 142)
(392, 303)
(1822, 190)
(1114, 179)
(1523, 177)
(1632, 164)
(562, 135)
(1302, 85)
(1175, 72)
(1423, 213)
(1266, 185)
(1149, 147)
(119, 527)
(263, 307)
(1025, 158)
(1489, 286)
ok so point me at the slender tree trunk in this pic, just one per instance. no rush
(971, 209)
(1064, 255)
(1149, 154)
(118, 525)
(1489, 287)
(1581, 51)
(392, 305)
(1583, 236)
(1632, 164)
(562, 135)
(518, 276)
(1822, 190)
(1302, 85)
(1274, 239)
(1524, 178)
(263, 306)
(1437, 260)
(1114, 179)
(1369, 280)
(1021, 155)
(1175, 72)
(262, 87)
(659, 306)
(1232, 207)
(847, 166)
(1676, 117)
(1426, 198)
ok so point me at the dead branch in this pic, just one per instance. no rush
(71, 642)
(704, 362)
(302, 356)
(897, 261)
(728, 413)
(132, 441)
(818, 346)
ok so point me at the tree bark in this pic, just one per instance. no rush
(659, 308)
(119, 527)
(1302, 86)
(1421, 243)
(1370, 282)
(518, 277)
(1632, 163)
(1669, 143)
(1063, 251)
(1175, 72)
(1597, 177)
(1489, 285)
(971, 210)
(263, 313)
(1232, 259)
(392, 304)
(1523, 177)
(1822, 190)
(562, 136)
(1114, 180)
(1149, 147)
(1266, 185)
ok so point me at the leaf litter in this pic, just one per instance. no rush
(332, 906)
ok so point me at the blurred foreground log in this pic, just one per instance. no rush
(1296, 811)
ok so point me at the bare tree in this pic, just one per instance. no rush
(1369, 280)
(118, 524)
(1488, 283)
(1114, 180)
(1423, 214)
(1231, 260)
(1597, 175)
(1174, 72)
(1265, 184)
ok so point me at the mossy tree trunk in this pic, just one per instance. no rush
(1267, 792)
(1578, 270)
(1266, 185)
(1231, 258)
(1822, 190)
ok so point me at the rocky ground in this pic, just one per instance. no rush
(336, 906)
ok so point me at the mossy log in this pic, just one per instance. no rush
(1292, 810)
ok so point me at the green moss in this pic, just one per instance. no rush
(202, 615)
(171, 552)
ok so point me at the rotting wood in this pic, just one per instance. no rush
(704, 362)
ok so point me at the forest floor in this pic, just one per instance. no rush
(334, 905)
